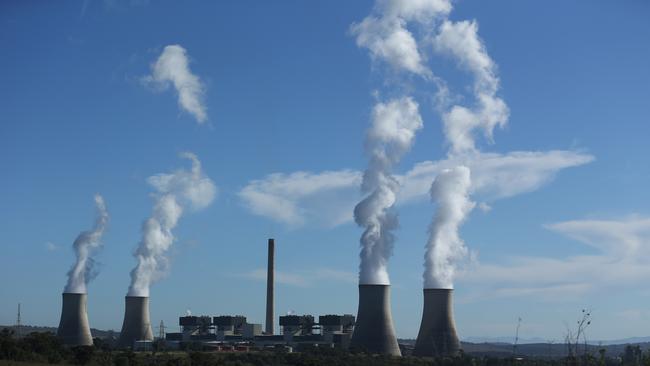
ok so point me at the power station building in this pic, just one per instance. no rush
(233, 330)
(372, 331)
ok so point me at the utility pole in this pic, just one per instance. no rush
(18, 323)
(161, 331)
(514, 346)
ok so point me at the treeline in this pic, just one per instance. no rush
(45, 348)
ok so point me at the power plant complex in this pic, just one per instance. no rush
(372, 331)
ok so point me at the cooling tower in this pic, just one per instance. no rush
(437, 336)
(136, 325)
(73, 327)
(374, 331)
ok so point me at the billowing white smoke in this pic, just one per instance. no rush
(391, 134)
(386, 36)
(175, 192)
(389, 36)
(172, 67)
(461, 41)
(450, 191)
(84, 271)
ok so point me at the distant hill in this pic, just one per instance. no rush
(510, 340)
(536, 350)
(26, 329)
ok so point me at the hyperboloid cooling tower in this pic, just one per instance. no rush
(437, 336)
(73, 327)
(374, 331)
(136, 325)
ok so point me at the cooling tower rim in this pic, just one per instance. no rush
(425, 290)
(74, 293)
(136, 296)
(373, 285)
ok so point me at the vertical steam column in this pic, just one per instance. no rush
(73, 328)
(269, 287)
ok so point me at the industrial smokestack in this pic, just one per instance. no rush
(374, 331)
(73, 327)
(269, 287)
(136, 325)
(437, 336)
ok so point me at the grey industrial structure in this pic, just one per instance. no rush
(270, 286)
(73, 327)
(437, 335)
(374, 331)
(233, 330)
(136, 325)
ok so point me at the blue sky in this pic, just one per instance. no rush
(286, 89)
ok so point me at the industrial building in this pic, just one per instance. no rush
(372, 331)
(228, 331)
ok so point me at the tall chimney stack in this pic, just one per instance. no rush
(136, 325)
(73, 328)
(269, 287)
(374, 331)
(437, 336)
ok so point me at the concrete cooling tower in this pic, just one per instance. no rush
(374, 331)
(73, 327)
(437, 336)
(136, 325)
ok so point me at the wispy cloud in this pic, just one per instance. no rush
(328, 198)
(172, 67)
(300, 197)
(386, 35)
(622, 259)
(51, 246)
(495, 176)
(305, 278)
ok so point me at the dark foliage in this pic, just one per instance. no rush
(45, 348)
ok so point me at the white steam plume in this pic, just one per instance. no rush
(461, 41)
(173, 67)
(391, 134)
(175, 192)
(386, 35)
(83, 271)
(450, 191)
